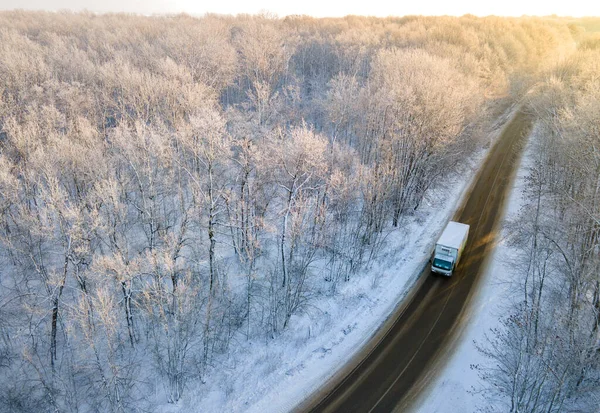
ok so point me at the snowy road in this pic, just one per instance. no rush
(399, 363)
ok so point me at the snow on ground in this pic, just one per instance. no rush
(275, 375)
(451, 390)
(356, 314)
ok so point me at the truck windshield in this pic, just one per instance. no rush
(446, 265)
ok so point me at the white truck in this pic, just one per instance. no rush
(449, 248)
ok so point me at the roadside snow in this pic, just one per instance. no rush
(356, 313)
(451, 390)
(274, 375)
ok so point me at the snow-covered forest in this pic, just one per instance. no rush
(546, 355)
(171, 186)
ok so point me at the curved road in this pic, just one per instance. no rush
(394, 368)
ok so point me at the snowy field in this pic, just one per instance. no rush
(275, 375)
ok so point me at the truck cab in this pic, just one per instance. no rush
(442, 265)
(443, 260)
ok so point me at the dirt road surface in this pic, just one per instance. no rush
(399, 362)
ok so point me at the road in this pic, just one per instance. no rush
(399, 362)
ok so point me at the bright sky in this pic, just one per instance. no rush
(320, 8)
